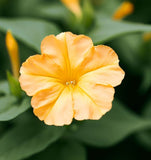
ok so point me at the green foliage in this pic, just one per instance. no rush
(112, 128)
(128, 48)
(54, 11)
(4, 87)
(88, 14)
(10, 108)
(23, 136)
(106, 29)
(68, 150)
(146, 83)
(144, 137)
(27, 138)
(30, 31)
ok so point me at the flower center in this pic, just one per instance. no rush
(70, 83)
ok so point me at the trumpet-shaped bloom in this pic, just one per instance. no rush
(12, 47)
(71, 79)
(74, 6)
(125, 9)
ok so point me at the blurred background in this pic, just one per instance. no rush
(125, 132)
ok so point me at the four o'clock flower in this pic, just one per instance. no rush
(71, 79)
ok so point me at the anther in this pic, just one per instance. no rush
(67, 83)
(71, 82)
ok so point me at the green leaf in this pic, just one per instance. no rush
(63, 150)
(129, 54)
(30, 31)
(146, 83)
(14, 85)
(88, 14)
(141, 12)
(10, 109)
(144, 137)
(24, 8)
(27, 139)
(109, 7)
(107, 29)
(4, 87)
(111, 128)
(147, 110)
(59, 12)
(55, 11)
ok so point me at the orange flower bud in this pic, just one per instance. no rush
(74, 6)
(147, 36)
(13, 52)
(125, 9)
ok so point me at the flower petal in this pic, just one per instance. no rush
(47, 96)
(109, 75)
(54, 48)
(41, 65)
(43, 101)
(67, 48)
(32, 84)
(84, 107)
(77, 48)
(61, 112)
(72, 78)
(92, 101)
(99, 56)
(39, 72)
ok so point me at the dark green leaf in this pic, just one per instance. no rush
(106, 29)
(141, 12)
(9, 108)
(4, 87)
(56, 11)
(59, 12)
(146, 83)
(111, 128)
(144, 137)
(27, 139)
(109, 7)
(129, 54)
(30, 31)
(24, 8)
(88, 14)
(63, 150)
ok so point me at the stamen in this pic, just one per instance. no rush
(71, 82)
(67, 83)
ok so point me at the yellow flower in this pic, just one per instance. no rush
(13, 52)
(71, 79)
(74, 6)
(125, 9)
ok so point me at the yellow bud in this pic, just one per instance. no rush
(125, 9)
(12, 47)
(74, 6)
(147, 36)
